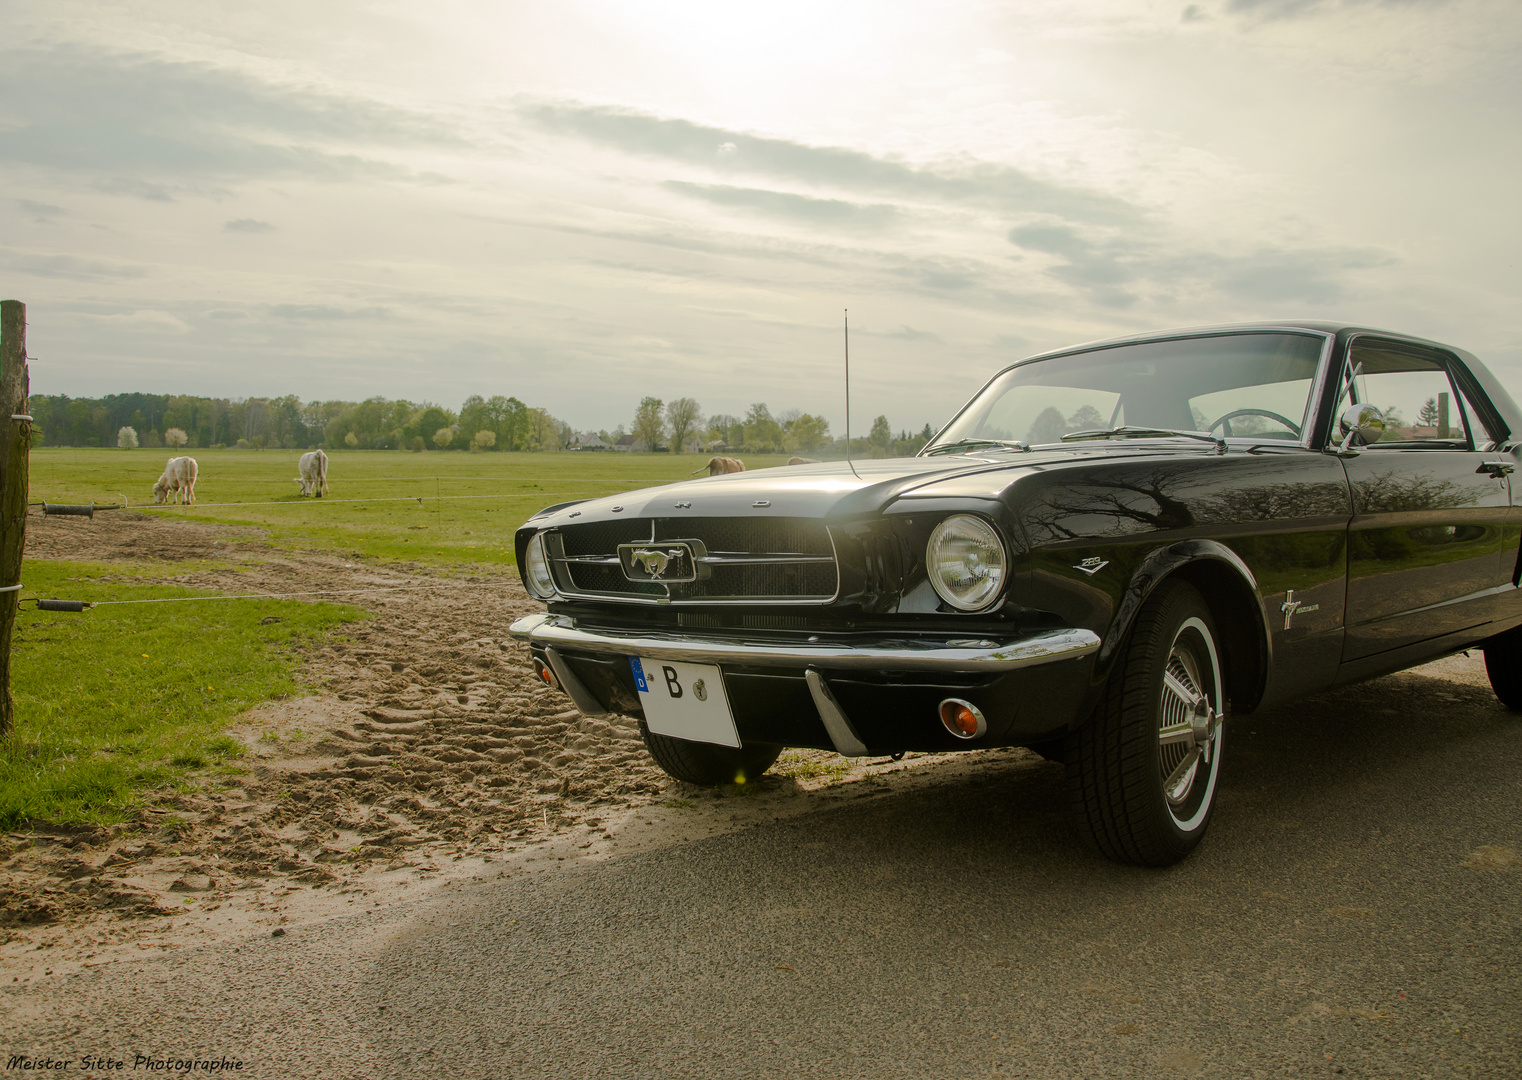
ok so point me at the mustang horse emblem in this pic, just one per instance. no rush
(656, 562)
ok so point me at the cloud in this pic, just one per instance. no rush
(939, 275)
(1112, 271)
(1287, 9)
(140, 119)
(247, 225)
(39, 211)
(69, 267)
(909, 333)
(145, 321)
(138, 189)
(1277, 276)
(324, 312)
(998, 186)
(1194, 13)
(785, 204)
(1271, 9)
(1101, 271)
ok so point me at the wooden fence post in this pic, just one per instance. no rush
(15, 442)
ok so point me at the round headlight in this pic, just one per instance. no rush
(965, 558)
(537, 569)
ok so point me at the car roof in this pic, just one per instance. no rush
(1505, 406)
(1319, 326)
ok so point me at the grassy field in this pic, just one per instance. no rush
(122, 703)
(470, 503)
(125, 699)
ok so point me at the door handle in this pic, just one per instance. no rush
(1497, 469)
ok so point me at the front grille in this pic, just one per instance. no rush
(787, 560)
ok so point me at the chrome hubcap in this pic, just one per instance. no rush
(1187, 722)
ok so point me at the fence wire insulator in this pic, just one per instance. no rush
(67, 510)
(62, 605)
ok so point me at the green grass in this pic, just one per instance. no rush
(471, 503)
(119, 701)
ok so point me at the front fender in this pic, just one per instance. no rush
(1230, 589)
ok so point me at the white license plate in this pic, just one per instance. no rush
(685, 701)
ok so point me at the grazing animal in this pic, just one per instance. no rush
(314, 473)
(803, 461)
(179, 481)
(718, 465)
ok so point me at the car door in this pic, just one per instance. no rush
(1430, 504)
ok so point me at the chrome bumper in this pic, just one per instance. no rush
(965, 655)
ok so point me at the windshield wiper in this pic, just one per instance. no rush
(1127, 431)
(967, 444)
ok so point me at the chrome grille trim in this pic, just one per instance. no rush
(603, 563)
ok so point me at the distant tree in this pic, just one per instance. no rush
(351, 440)
(176, 437)
(682, 418)
(928, 432)
(807, 433)
(1085, 418)
(126, 438)
(881, 434)
(1048, 427)
(443, 437)
(1428, 416)
(544, 432)
(719, 425)
(485, 439)
(648, 427)
(761, 431)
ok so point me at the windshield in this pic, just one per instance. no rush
(1254, 386)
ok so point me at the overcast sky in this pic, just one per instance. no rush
(580, 202)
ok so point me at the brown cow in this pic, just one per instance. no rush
(718, 465)
(803, 461)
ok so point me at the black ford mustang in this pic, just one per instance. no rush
(1108, 552)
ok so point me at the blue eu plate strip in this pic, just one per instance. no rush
(639, 674)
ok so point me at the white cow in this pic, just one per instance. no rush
(178, 481)
(314, 473)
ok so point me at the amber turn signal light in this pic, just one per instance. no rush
(962, 718)
(547, 673)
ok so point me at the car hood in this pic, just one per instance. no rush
(835, 489)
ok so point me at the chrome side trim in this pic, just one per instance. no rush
(882, 653)
(585, 701)
(842, 734)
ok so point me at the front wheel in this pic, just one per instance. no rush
(1142, 772)
(1503, 663)
(708, 764)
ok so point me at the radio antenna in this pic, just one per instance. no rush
(848, 394)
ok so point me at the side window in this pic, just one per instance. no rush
(1422, 406)
(1482, 439)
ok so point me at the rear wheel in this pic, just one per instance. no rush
(708, 764)
(1142, 772)
(1503, 663)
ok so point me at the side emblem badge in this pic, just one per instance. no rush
(1292, 607)
(1092, 566)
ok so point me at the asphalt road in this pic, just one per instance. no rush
(1328, 926)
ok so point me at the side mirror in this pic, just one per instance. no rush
(1360, 425)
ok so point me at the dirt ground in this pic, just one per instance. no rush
(427, 752)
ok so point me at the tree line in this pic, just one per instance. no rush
(481, 423)
(680, 425)
(156, 420)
